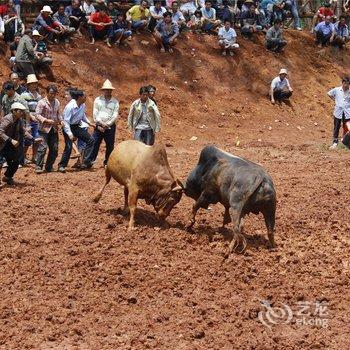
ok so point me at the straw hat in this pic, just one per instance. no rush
(107, 85)
(283, 71)
(31, 78)
(46, 9)
(17, 105)
(36, 33)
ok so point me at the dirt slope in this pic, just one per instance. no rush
(73, 277)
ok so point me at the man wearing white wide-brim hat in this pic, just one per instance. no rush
(280, 87)
(11, 132)
(46, 25)
(105, 115)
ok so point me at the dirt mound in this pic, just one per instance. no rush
(73, 277)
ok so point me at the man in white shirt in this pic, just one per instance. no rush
(227, 38)
(280, 87)
(340, 95)
(73, 116)
(157, 12)
(209, 21)
(105, 116)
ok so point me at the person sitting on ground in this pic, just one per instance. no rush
(144, 118)
(61, 17)
(250, 22)
(43, 57)
(120, 31)
(19, 88)
(46, 25)
(341, 32)
(227, 38)
(48, 114)
(341, 96)
(279, 11)
(112, 11)
(11, 133)
(178, 16)
(9, 97)
(138, 15)
(88, 8)
(13, 26)
(324, 32)
(25, 55)
(274, 37)
(99, 25)
(223, 12)
(323, 12)
(13, 49)
(32, 97)
(188, 8)
(195, 23)
(157, 12)
(209, 21)
(280, 87)
(76, 16)
(166, 33)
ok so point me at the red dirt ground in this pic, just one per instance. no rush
(73, 277)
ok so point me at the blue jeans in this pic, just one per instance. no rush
(80, 133)
(293, 7)
(109, 137)
(124, 33)
(137, 24)
(145, 136)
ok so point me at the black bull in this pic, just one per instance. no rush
(241, 186)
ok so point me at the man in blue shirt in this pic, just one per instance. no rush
(341, 32)
(73, 116)
(324, 32)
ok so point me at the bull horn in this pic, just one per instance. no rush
(177, 188)
(179, 183)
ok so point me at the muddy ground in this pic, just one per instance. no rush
(73, 277)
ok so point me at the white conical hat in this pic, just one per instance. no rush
(35, 33)
(107, 85)
(31, 78)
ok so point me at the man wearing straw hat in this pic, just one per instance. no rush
(280, 87)
(11, 132)
(105, 115)
(32, 97)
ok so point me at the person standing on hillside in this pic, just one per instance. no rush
(48, 114)
(11, 133)
(73, 115)
(341, 96)
(274, 37)
(280, 87)
(105, 115)
(144, 118)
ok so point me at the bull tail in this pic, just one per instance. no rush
(108, 179)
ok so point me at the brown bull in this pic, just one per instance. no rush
(145, 174)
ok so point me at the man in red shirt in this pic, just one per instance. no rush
(322, 13)
(100, 24)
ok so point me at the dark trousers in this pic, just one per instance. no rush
(49, 141)
(11, 155)
(25, 68)
(280, 95)
(145, 136)
(275, 44)
(109, 137)
(99, 34)
(322, 39)
(80, 133)
(336, 127)
(152, 24)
